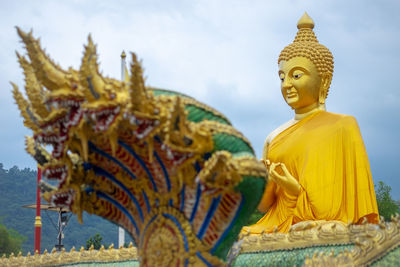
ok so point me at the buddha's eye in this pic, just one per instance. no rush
(282, 77)
(297, 74)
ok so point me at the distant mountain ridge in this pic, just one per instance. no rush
(18, 188)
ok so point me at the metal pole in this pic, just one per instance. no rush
(123, 66)
(121, 231)
(38, 220)
(59, 246)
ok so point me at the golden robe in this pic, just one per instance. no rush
(326, 154)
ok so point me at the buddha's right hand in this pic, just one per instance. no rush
(286, 181)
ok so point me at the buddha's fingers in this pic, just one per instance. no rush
(267, 164)
(285, 170)
(272, 166)
(280, 179)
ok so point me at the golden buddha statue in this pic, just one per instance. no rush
(317, 162)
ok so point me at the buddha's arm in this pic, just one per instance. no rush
(268, 198)
(269, 194)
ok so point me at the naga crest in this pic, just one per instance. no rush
(170, 170)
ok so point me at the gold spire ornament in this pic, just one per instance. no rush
(123, 55)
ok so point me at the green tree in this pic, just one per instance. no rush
(10, 241)
(95, 241)
(386, 205)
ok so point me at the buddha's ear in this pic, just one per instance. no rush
(323, 91)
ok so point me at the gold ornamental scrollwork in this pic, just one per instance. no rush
(372, 242)
(72, 257)
(304, 234)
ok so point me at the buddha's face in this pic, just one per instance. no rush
(300, 83)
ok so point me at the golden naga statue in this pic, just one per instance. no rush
(317, 163)
(173, 172)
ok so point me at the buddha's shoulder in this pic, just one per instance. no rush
(277, 131)
(339, 120)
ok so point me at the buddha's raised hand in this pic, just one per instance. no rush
(285, 180)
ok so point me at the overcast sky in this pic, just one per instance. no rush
(223, 53)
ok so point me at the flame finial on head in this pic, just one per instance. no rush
(305, 22)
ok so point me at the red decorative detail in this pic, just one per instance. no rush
(38, 228)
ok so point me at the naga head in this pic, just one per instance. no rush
(58, 109)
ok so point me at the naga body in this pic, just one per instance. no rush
(170, 170)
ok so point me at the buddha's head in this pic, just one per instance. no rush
(305, 69)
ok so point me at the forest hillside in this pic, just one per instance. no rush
(18, 188)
